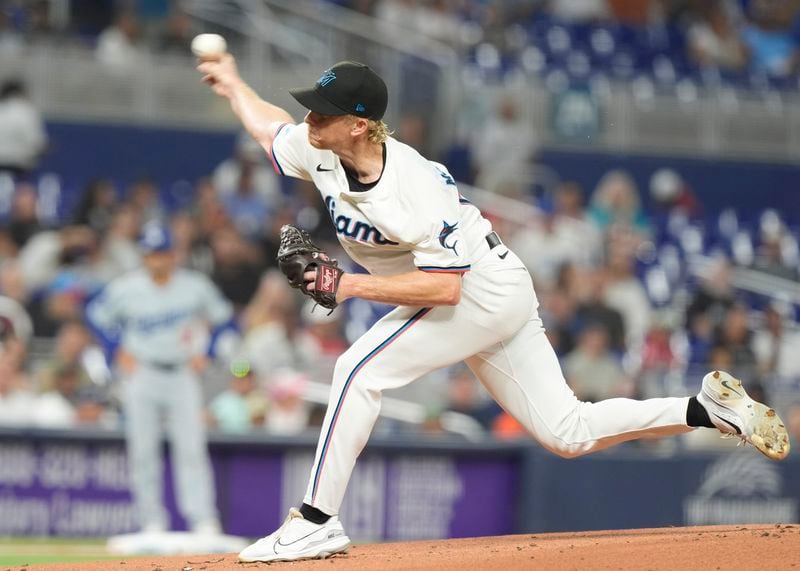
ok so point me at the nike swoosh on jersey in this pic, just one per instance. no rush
(503, 255)
(320, 169)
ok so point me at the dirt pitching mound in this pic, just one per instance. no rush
(719, 547)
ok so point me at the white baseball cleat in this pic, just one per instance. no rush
(298, 538)
(733, 412)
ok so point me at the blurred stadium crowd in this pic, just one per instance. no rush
(620, 327)
(747, 42)
(668, 39)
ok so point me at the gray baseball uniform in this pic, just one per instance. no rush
(163, 326)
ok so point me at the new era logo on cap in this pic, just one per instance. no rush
(347, 88)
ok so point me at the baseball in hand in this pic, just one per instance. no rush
(208, 46)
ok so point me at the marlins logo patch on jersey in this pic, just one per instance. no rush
(445, 232)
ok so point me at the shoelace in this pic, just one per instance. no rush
(294, 513)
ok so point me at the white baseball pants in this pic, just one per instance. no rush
(150, 393)
(496, 329)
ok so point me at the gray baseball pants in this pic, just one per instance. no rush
(149, 394)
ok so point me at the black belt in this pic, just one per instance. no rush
(164, 366)
(493, 240)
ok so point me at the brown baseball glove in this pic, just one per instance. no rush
(297, 255)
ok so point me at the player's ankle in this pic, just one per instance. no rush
(313, 514)
(697, 416)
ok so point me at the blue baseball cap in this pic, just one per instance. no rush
(155, 238)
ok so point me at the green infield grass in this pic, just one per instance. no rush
(19, 551)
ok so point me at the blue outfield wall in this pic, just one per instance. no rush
(76, 484)
(618, 490)
(81, 151)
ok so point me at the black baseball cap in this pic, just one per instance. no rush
(348, 88)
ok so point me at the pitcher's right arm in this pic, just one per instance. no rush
(261, 118)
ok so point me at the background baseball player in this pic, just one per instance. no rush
(461, 295)
(161, 314)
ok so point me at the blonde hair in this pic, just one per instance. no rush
(378, 131)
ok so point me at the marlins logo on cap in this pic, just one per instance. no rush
(327, 78)
(346, 88)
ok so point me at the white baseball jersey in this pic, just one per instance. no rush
(412, 218)
(159, 323)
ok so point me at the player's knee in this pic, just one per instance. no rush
(345, 367)
(564, 446)
(568, 439)
(559, 442)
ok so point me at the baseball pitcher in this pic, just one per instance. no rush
(461, 295)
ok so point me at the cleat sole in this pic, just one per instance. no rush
(763, 427)
(769, 434)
